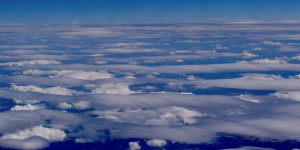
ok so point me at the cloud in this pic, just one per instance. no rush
(77, 105)
(248, 55)
(76, 32)
(291, 95)
(270, 43)
(249, 148)
(23, 46)
(165, 116)
(134, 146)
(296, 58)
(64, 105)
(265, 61)
(31, 62)
(50, 134)
(179, 114)
(156, 143)
(257, 76)
(248, 98)
(113, 88)
(81, 105)
(27, 107)
(52, 90)
(82, 75)
(30, 143)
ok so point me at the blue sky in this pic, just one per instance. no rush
(144, 11)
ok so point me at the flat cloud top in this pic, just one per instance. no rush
(157, 84)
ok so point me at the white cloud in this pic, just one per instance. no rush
(166, 116)
(248, 55)
(64, 105)
(270, 43)
(50, 134)
(81, 105)
(179, 114)
(27, 107)
(291, 95)
(113, 88)
(78, 105)
(52, 90)
(30, 62)
(134, 146)
(265, 61)
(296, 58)
(248, 98)
(82, 75)
(156, 143)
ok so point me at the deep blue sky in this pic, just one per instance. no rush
(144, 11)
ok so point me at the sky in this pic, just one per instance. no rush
(144, 11)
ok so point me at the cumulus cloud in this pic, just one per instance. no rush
(181, 114)
(52, 90)
(291, 95)
(50, 134)
(156, 143)
(77, 105)
(64, 105)
(113, 88)
(162, 116)
(31, 62)
(27, 107)
(134, 146)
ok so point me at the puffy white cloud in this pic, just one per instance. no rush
(291, 95)
(30, 62)
(64, 105)
(162, 116)
(134, 146)
(179, 114)
(113, 88)
(27, 107)
(156, 143)
(52, 90)
(82, 75)
(50, 134)
(78, 105)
